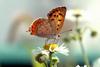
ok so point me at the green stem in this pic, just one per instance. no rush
(86, 61)
(84, 53)
(46, 65)
(50, 58)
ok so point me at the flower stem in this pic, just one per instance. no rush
(46, 65)
(86, 61)
(84, 53)
(50, 58)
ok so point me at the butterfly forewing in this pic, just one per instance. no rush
(56, 18)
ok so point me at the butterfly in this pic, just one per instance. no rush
(51, 26)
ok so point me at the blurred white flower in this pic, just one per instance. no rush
(78, 66)
(85, 65)
(96, 63)
(81, 66)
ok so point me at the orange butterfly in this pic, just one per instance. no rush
(51, 26)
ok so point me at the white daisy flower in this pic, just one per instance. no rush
(62, 49)
(57, 48)
(96, 63)
(43, 54)
(51, 48)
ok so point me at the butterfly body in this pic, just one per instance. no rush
(51, 26)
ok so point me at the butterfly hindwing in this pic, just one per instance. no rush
(44, 30)
(41, 28)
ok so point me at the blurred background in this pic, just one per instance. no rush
(16, 44)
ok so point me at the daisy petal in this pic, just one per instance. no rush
(63, 50)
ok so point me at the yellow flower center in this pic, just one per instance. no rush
(50, 46)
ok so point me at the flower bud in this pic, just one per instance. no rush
(40, 58)
(93, 33)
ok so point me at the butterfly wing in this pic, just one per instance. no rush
(56, 18)
(44, 30)
(49, 27)
(41, 28)
(34, 26)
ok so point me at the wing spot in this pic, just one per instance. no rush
(57, 28)
(60, 14)
(54, 15)
(53, 11)
(47, 29)
(52, 19)
(58, 25)
(57, 15)
(59, 20)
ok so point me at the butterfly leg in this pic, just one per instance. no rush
(57, 39)
(46, 41)
(50, 40)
